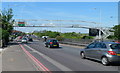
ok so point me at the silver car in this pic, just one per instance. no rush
(106, 52)
(24, 40)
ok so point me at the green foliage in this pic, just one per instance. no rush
(0, 33)
(60, 38)
(73, 35)
(6, 24)
(5, 35)
(47, 33)
(7, 21)
(87, 37)
(117, 32)
(111, 37)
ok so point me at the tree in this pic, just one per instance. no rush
(117, 32)
(0, 33)
(0, 20)
(6, 24)
(7, 21)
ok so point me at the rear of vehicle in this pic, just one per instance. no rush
(52, 43)
(30, 39)
(24, 40)
(18, 39)
(114, 53)
(118, 41)
(106, 52)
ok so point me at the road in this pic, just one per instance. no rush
(65, 58)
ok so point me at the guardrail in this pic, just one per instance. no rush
(77, 42)
(70, 43)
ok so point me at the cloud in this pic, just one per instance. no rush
(49, 24)
(60, 0)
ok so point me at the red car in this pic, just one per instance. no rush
(117, 41)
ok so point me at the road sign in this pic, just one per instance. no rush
(21, 24)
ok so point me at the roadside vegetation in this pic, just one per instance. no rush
(51, 34)
(61, 36)
(116, 30)
(74, 35)
(6, 26)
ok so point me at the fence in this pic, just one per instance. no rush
(78, 42)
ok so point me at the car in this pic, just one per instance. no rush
(45, 37)
(52, 43)
(106, 52)
(24, 40)
(118, 41)
(30, 39)
(19, 38)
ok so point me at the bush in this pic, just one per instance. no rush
(0, 33)
(4, 36)
(111, 37)
(48, 33)
(117, 32)
(59, 38)
(87, 37)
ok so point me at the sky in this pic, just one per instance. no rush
(105, 13)
(60, 0)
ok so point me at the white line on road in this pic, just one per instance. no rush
(57, 64)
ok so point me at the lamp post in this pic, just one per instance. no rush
(99, 25)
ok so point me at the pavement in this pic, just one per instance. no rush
(0, 60)
(14, 59)
(1, 50)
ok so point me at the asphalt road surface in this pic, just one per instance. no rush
(65, 58)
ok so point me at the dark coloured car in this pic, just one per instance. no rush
(30, 39)
(52, 43)
(106, 52)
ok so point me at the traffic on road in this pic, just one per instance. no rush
(58, 57)
(106, 52)
(60, 36)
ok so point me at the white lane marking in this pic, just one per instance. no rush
(57, 64)
(1, 49)
(80, 47)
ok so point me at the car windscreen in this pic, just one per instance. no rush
(115, 46)
(54, 41)
(24, 39)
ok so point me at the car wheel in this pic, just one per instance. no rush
(49, 46)
(105, 61)
(82, 55)
(45, 45)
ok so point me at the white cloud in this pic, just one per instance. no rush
(60, 0)
(49, 24)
